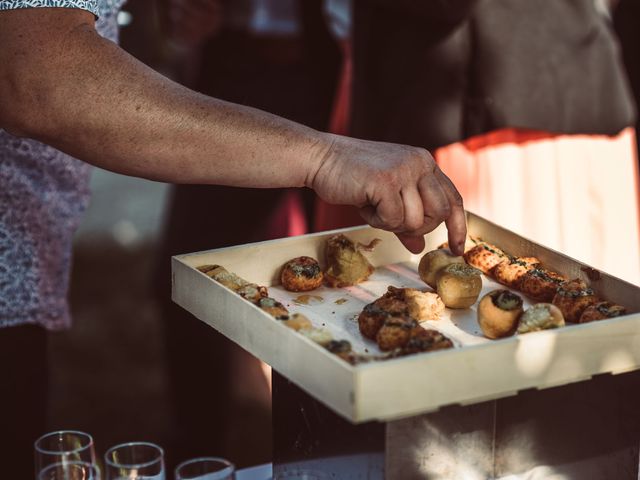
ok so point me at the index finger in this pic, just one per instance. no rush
(457, 221)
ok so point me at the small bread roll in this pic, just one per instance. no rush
(601, 311)
(541, 316)
(298, 322)
(432, 262)
(301, 274)
(498, 313)
(485, 256)
(572, 298)
(459, 285)
(540, 283)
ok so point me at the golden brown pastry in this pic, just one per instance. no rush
(498, 313)
(297, 321)
(273, 308)
(510, 273)
(541, 316)
(221, 275)
(572, 298)
(432, 262)
(540, 284)
(459, 285)
(395, 332)
(425, 340)
(485, 256)
(601, 311)
(252, 292)
(346, 265)
(301, 274)
(321, 336)
(421, 306)
(371, 319)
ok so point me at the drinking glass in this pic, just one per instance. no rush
(134, 461)
(206, 468)
(63, 446)
(70, 471)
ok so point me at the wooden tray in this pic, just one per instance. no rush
(477, 369)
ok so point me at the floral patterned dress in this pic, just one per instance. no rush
(43, 194)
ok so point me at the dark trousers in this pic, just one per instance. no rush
(23, 397)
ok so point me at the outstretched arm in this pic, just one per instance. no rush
(63, 84)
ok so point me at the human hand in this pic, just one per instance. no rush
(191, 22)
(396, 187)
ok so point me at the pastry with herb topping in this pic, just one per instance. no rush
(485, 256)
(572, 298)
(540, 284)
(459, 285)
(395, 332)
(301, 274)
(541, 316)
(273, 308)
(434, 261)
(498, 313)
(601, 311)
(510, 273)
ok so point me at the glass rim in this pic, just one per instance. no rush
(133, 465)
(39, 449)
(224, 461)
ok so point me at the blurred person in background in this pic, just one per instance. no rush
(626, 20)
(276, 55)
(69, 94)
(527, 108)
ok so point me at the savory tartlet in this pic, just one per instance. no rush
(485, 256)
(459, 285)
(498, 313)
(541, 316)
(346, 265)
(510, 273)
(434, 261)
(572, 298)
(601, 311)
(301, 274)
(540, 284)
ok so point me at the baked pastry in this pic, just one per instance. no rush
(459, 285)
(540, 284)
(321, 336)
(297, 321)
(301, 274)
(273, 308)
(572, 298)
(601, 311)
(395, 332)
(221, 275)
(498, 313)
(371, 319)
(432, 262)
(252, 292)
(541, 316)
(346, 265)
(425, 340)
(485, 256)
(510, 273)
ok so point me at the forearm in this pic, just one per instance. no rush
(103, 106)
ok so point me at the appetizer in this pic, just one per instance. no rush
(485, 256)
(273, 308)
(346, 265)
(434, 261)
(459, 285)
(221, 275)
(425, 340)
(301, 274)
(601, 311)
(540, 284)
(510, 273)
(498, 313)
(572, 298)
(395, 332)
(297, 321)
(321, 336)
(541, 316)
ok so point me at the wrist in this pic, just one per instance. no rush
(320, 154)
